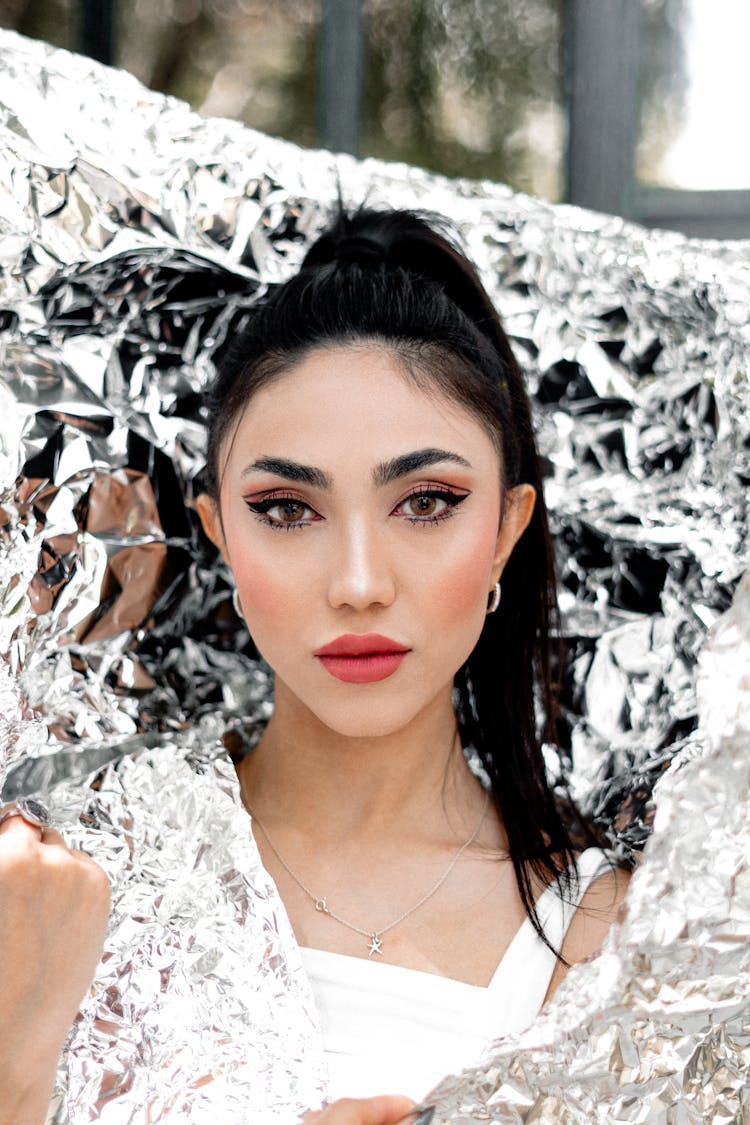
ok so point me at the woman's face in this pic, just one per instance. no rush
(353, 504)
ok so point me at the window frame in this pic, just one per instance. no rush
(602, 76)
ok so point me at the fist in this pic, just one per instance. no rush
(54, 905)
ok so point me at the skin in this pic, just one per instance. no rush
(384, 1110)
(55, 904)
(360, 785)
(355, 566)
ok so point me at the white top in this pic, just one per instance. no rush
(389, 1030)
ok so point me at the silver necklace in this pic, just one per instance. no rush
(374, 937)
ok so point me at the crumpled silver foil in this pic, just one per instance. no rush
(657, 1028)
(200, 1010)
(134, 235)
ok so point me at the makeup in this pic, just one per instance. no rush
(400, 544)
(362, 658)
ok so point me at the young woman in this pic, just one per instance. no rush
(374, 486)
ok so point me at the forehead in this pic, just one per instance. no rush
(363, 391)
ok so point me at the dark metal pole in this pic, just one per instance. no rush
(96, 29)
(341, 61)
(602, 75)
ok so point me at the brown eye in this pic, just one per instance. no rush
(283, 512)
(291, 511)
(430, 506)
(425, 505)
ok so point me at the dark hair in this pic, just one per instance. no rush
(393, 277)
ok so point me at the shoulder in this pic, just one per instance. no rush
(602, 904)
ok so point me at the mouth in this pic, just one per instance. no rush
(362, 658)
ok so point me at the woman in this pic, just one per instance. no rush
(374, 486)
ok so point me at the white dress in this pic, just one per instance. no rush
(389, 1030)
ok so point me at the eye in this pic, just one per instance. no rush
(285, 512)
(430, 505)
(426, 504)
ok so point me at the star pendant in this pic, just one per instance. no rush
(376, 945)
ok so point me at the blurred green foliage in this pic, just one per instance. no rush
(465, 87)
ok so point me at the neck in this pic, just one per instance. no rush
(305, 774)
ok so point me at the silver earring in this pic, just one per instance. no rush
(236, 604)
(494, 601)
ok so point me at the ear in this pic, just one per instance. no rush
(519, 508)
(208, 510)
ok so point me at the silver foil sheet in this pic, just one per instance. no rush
(134, 235)
(657, 1028)
(200, 1010)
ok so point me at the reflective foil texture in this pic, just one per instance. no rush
(200, 1010)
(657, 1028)
(134, 236)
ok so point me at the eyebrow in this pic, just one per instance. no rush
(291, 470)
(410, 462)
(383, 474)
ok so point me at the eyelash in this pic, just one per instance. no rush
(261, 508)
(452, 499)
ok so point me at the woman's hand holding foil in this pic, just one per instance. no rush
(54, 904)
(385, 1110)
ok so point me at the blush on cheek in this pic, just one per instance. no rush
(255, 578)
(465, 584)
(263, 592)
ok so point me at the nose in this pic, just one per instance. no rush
(361, 572)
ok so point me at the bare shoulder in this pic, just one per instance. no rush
(602, 904)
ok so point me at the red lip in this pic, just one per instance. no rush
(360, 644)
(362, 658)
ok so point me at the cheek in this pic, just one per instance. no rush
(266, 590)
(465, 580)
(262, 591)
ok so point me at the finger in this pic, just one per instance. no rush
(21, 836)
(22, 830)
(52, 836)
(419, 1115)
(386, 1109)
(16, 824)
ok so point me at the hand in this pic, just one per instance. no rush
(54, 905)
(385, 1110)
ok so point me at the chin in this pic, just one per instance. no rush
(364, 711)
(364, 719)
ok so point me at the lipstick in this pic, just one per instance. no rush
(362, 658)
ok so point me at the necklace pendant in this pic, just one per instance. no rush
(376, 945)
(321, 905)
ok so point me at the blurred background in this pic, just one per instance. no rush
(634, 107)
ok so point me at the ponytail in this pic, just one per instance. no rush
(393, 277)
